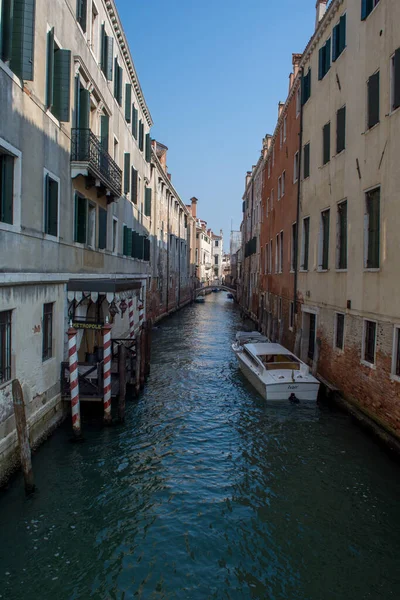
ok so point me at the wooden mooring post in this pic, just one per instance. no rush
(138, 362)
(143, 355)
(122, 382)
(23, 438)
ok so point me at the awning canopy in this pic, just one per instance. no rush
(103, 286)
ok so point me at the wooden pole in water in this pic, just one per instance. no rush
(148, 348)
(23, 438)
(122, 382)
(317, 350)
(107, 373)
(143, 355)
(138, 362)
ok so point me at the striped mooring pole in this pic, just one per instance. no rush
(107, 372)
(141, 313)
(131, 319)
(74, 382)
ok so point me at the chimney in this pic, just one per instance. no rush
(194, 206)
(266, 144)
(296, 58)
(280, 108)
(321, 10)
(248, 177)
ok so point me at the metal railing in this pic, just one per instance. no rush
(87, 148)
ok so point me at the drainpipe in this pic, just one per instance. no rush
(296, 246)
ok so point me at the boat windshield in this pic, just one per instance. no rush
(280, 361)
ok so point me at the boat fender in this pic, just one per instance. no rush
(294, 399)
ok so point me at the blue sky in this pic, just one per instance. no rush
(212, 73)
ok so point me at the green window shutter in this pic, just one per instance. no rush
(140, 246)
(116, 77)
(50, 69)
(125, 240)
(320, 64)
(102, 229)
(147, 202)
(326, 135)
(80, 219)
(134, 182)
(396, 83)
(341, 130)
(373, 206)
(81, 13)
(364, 9)
(306, 242)
(6, 188)
(6, 29)
(127, 172)
(133, 234)
(373, 100)
(325, 230)
(120, 85)
(104, 131)
(342, 33)
(109, 58)
(84, 109)
(148, 148)
(128, 102)
(134, 122)
(327, 55)
(335, 41)
(23, 38)
(103, 49)
(62, 85)
(51, 206)
(140, 135)
(129, 242)
(146, 255)
(306, 161)
(342, 208)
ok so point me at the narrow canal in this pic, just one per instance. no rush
(205, 492)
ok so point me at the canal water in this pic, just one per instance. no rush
(205, 492)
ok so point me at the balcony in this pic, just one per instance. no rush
(90, 159)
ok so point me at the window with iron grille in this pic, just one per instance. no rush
(339, 338)
(5, 346)
(324, 240)
(369, 341)
(47, 348)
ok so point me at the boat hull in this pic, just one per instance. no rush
(277, 392)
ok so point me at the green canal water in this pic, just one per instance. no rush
(205, 492)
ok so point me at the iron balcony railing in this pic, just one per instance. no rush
(87, 148)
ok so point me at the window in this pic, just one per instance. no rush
(127, 173)
(107, 53)
(281, 252)
(306, 171)
(395, 80)
(81, 13)
(118, 76)
(128, 102)
(6, 188)
(115, 235)
(141, 135)
(279, 187)
(326, 143)
(296, 167)
(269, 168)
(135, 187)
(339, 331)
(324, 59)
(369, 341)
(58, 79)
(396, 353)
(324, 240)
(291, 316)
(277, 254)
(102, 228)
(147, 202)
(298, 101)
(306, 244)
(216, 259)
(270, 257)
(306, 86)
(342, 236)
(17, 36)
(50, 205)
(91, 239)
(284, 128)
(216, 243)
(339, 38)
(5, 346)
(367, 6)
(293, 247)
(94, 29)
(372, 229)
(340, 130)
(373, 100)
(148, 148)
(283, 183)
(135, 122)
(47, 331)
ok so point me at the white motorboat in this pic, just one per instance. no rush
(276, 373)
(249, 337)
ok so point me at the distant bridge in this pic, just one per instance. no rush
(224, 288)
